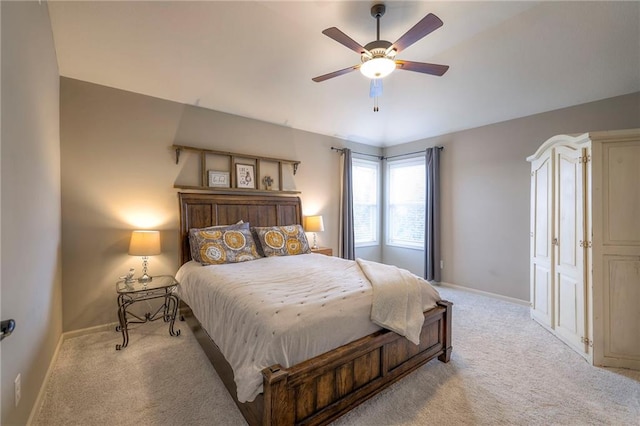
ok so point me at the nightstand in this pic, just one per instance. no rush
(160, 287)
(323, 250)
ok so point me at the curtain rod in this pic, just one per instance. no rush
(380, 157)
(411, 153)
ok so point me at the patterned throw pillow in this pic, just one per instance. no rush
(222, 244)
(194, 242)
(282, 240)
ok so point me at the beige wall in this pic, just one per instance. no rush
(31, 266)
(118, 173)
(485, 193)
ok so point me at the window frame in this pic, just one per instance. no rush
(406, 162)
(373, 164)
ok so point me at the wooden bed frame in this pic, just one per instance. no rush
(321, 389)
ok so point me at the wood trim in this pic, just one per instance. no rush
(234, 191)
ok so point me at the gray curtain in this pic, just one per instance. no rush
(432, 215)
(348, 247)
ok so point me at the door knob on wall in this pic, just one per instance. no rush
(6, 328)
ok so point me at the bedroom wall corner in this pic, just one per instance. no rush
(486, 193)
(30, 221)
(119, 171)
(117, 176)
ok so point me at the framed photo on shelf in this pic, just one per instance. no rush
(245, 176)
(218, 179)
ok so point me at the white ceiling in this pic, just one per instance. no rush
(256, 59)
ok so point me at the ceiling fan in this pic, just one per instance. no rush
(378, 57)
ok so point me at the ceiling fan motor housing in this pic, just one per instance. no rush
(378, 49)
(377, 10)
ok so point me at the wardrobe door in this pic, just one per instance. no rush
(568, 241)
(541, 230)
(617, 244)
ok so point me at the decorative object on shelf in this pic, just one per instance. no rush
(245, 176)
(218, 179)
(314, 224)
(145, 244)
(268, 181)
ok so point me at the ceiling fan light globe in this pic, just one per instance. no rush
(377, 68)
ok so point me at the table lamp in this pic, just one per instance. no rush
(145, 244)
(314, 224)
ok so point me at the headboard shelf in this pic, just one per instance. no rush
(200, 210)
(231, 191)
(258, 167)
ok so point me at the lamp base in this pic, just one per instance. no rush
(315, 242)
(145, 279)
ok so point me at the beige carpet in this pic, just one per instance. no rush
(523, 376)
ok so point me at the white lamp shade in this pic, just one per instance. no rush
(144, 243)
(377, 67)
(313, 224)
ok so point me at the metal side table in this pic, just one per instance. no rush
(130, 293)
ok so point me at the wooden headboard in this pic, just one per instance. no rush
(202, 210)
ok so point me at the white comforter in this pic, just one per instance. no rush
(280, 310)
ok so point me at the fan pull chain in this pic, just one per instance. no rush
(375, 90)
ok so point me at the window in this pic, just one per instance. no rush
(365, 175)
(406, 205)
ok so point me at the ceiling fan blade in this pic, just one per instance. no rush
(335, 74)
(344, 40)
(427, 25)
(433, 69)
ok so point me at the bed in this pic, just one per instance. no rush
(324, 387)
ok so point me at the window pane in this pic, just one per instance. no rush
(365, 180)
(407, 183)
(364, 218)
(407, 203)
(365, 201)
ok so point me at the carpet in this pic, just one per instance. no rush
(505, 369)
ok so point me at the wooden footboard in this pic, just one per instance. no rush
(323, 388)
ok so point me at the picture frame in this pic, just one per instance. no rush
(218, 179)
(245, 176)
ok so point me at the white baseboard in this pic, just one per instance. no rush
(64, 336)
(40, 399)
(486, 293)
(89, 330)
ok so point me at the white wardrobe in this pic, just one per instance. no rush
(585, 244)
